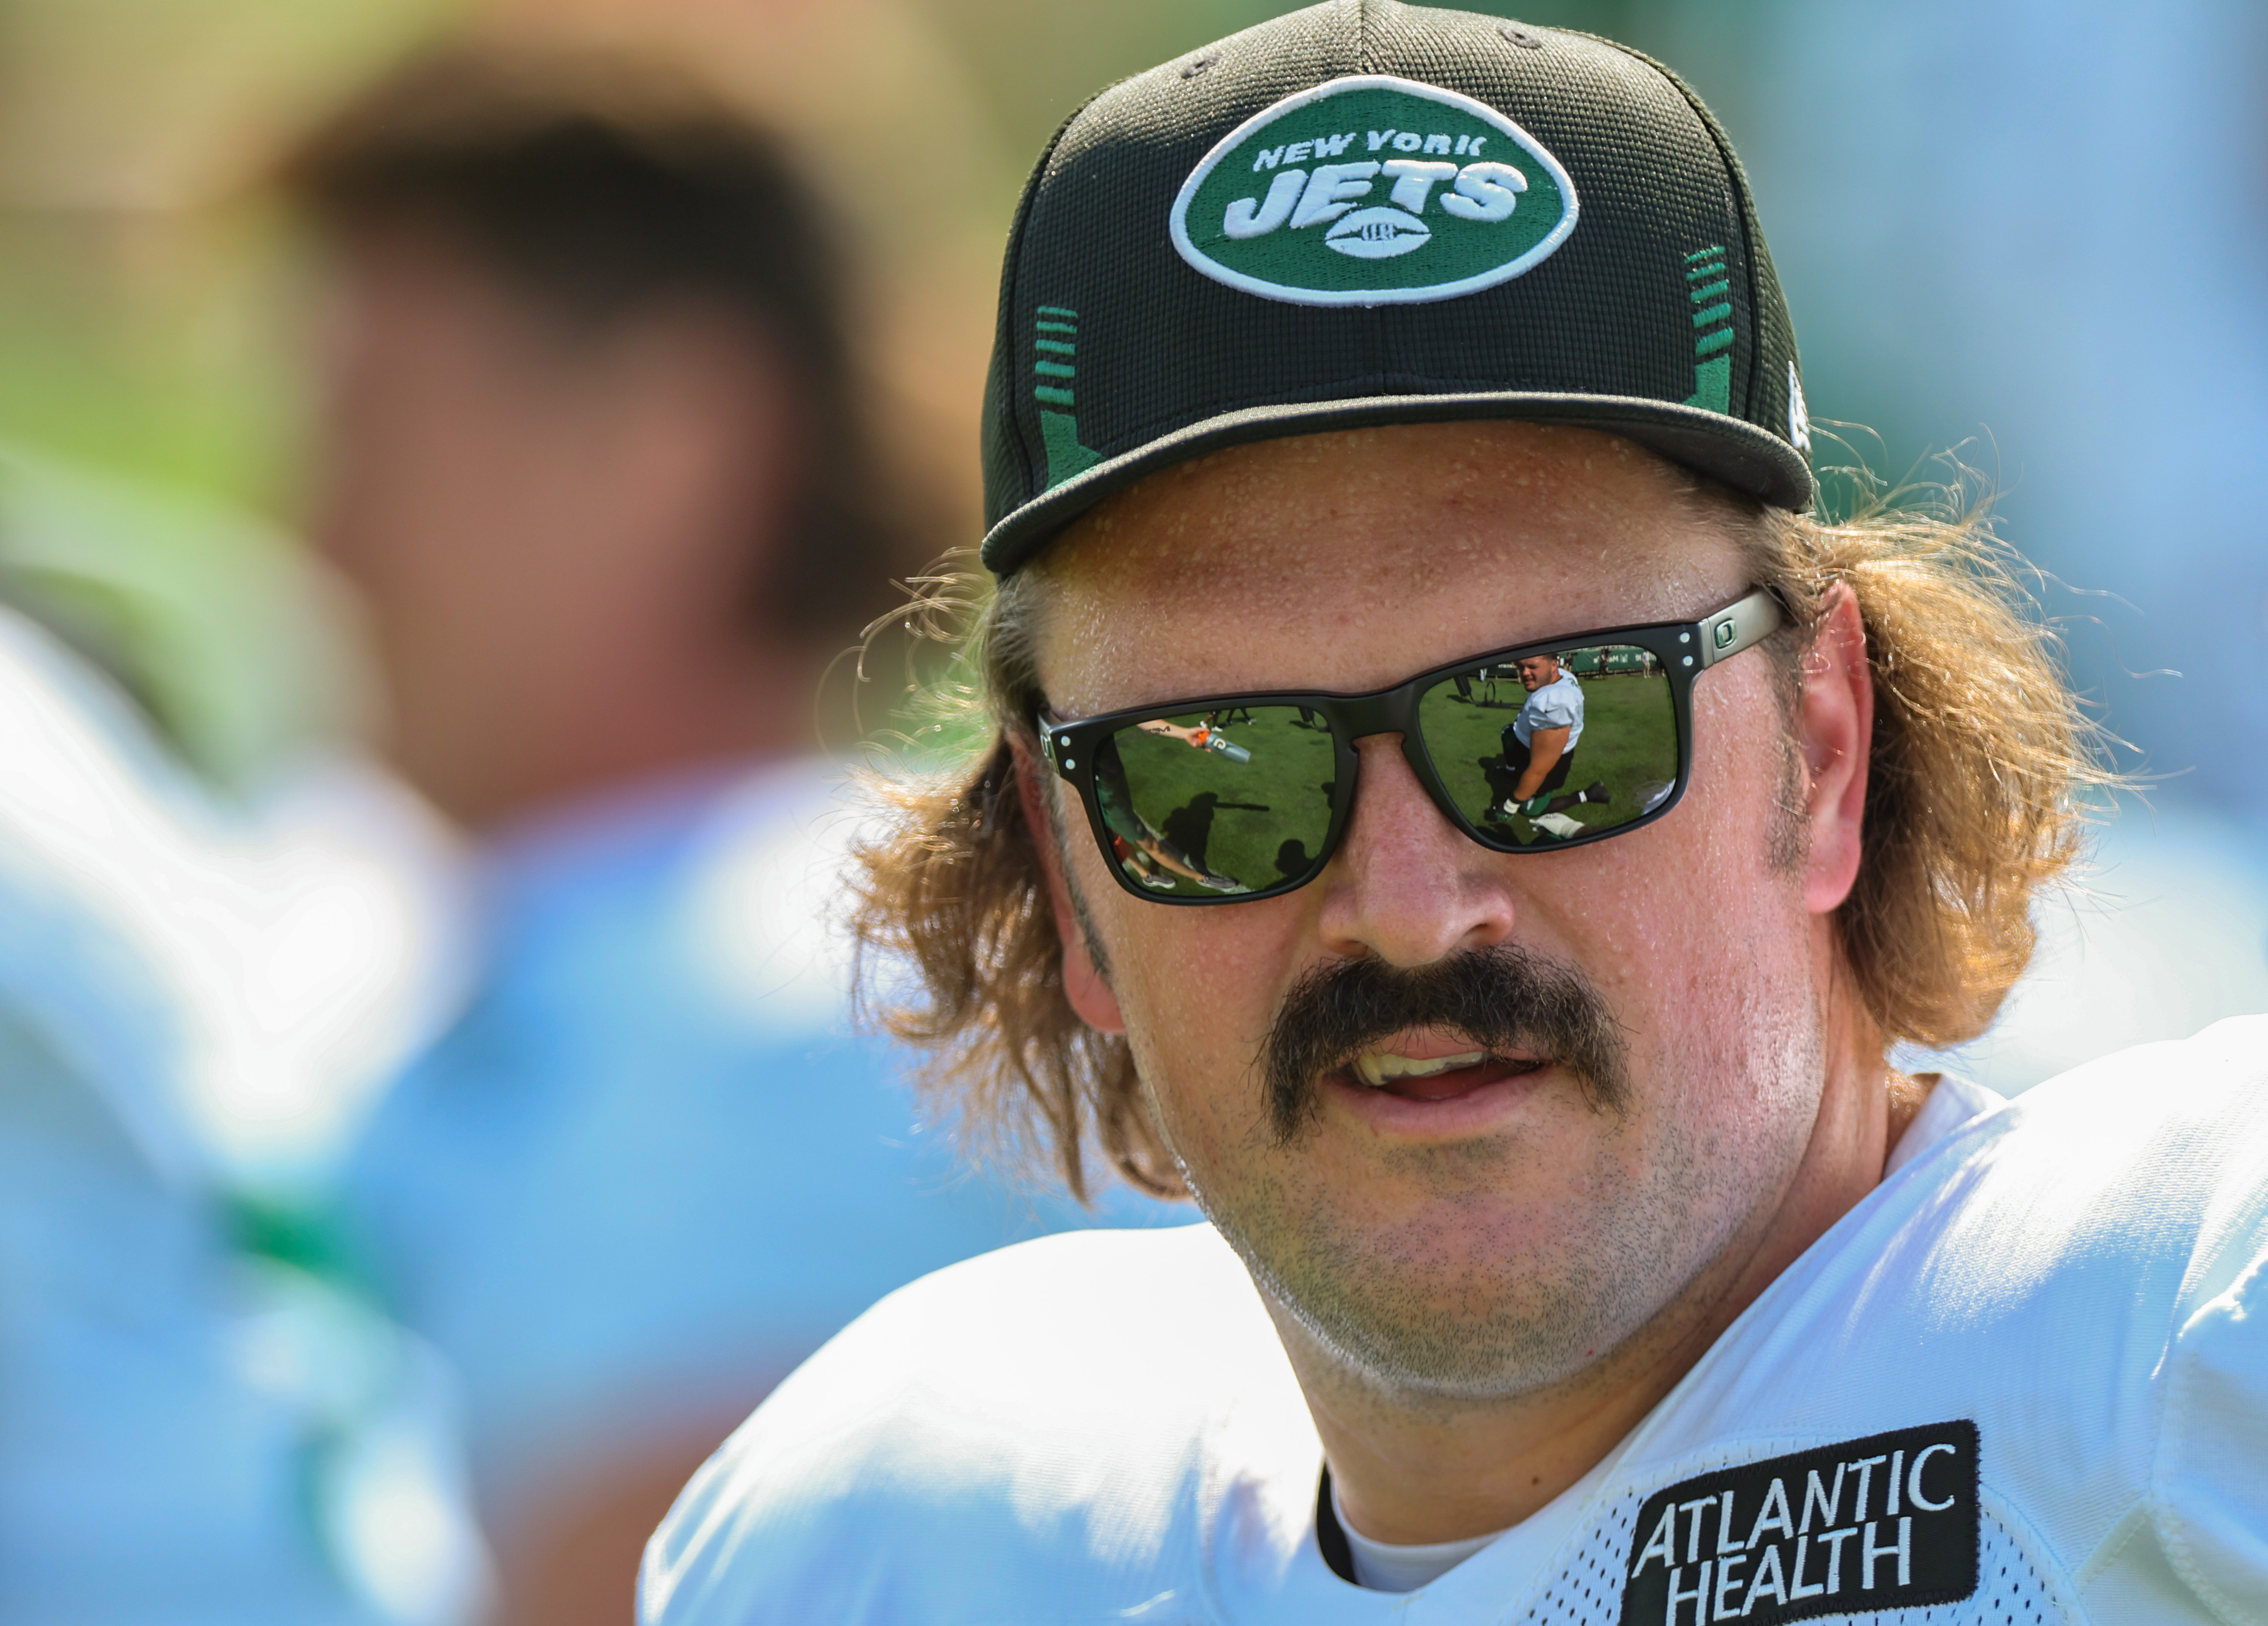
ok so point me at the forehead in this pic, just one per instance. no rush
(403, 298)
(1351, 560)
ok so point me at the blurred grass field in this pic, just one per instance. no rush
(1282, 795)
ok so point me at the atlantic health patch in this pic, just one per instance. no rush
(1887, 1522)
(1373, 190)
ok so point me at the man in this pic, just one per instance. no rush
(1574, 1255)
(598, 458)
(1539, 744)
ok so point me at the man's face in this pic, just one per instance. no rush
(456, 468)
(526, 513)
(1539, 671)
(1484, 1230)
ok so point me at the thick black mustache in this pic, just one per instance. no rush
(1504, 999)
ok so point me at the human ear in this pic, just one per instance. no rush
(1083, 983)
(1835, 729)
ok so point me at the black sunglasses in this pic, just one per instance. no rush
(1533, 748)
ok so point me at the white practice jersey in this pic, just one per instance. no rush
(2025, 1380)
(1557, 704)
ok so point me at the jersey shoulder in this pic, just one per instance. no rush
(2081, 1277)
(2170, 1142)
(2158, 1150)
(2134, 1186)
(1016, 1435)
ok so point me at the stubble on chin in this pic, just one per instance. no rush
(1473, 1296)
(1462, 1301)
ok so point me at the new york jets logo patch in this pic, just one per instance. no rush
(1373, 190)
(1887, 1522)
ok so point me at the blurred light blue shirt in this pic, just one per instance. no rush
(653, 1167)
(163, 1455)
(145, 1474)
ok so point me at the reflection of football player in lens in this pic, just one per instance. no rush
(1539, 745)
(1147, 855)
(1205, 737)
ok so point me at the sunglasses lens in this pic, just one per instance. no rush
(1219, 804)
(1553, 749)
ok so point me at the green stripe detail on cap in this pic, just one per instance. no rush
(1713, 386)
(1712, 372)
(1065, 456)
(1059, 431)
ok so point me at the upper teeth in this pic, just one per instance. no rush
(1379, 1068)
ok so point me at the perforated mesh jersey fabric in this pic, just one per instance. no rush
(1170, 363)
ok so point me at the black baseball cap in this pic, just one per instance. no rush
(1368, 212)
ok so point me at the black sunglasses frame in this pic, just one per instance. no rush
(1685, 649)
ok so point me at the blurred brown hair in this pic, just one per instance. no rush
(1982, 758)
(603, 188)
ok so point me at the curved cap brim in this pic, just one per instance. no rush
(1740, 455)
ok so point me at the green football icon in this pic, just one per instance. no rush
(1378, 233)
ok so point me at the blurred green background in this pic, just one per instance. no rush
(2030, 231)
(141, 283)
(154, 312)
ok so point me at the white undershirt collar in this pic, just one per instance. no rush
(1387, 1567)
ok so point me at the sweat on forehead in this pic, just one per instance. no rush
(1469, 534)
(1203, 521)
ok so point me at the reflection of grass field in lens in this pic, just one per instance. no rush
(1629, 741)
(1290, 766)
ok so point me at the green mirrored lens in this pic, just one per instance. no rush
(1551, 748)
(1217, 804)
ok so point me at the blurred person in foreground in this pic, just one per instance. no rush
(597, 458)
(1576, 1256)
(194, 1429)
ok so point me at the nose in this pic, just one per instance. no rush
(1406, 885)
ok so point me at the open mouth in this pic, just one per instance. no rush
(1434, 1078)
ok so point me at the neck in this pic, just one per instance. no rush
(1418, 1468)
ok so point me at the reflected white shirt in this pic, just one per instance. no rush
(1557, 704)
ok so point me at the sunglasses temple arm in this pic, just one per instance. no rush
(1738, 626)
(1051, 744)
